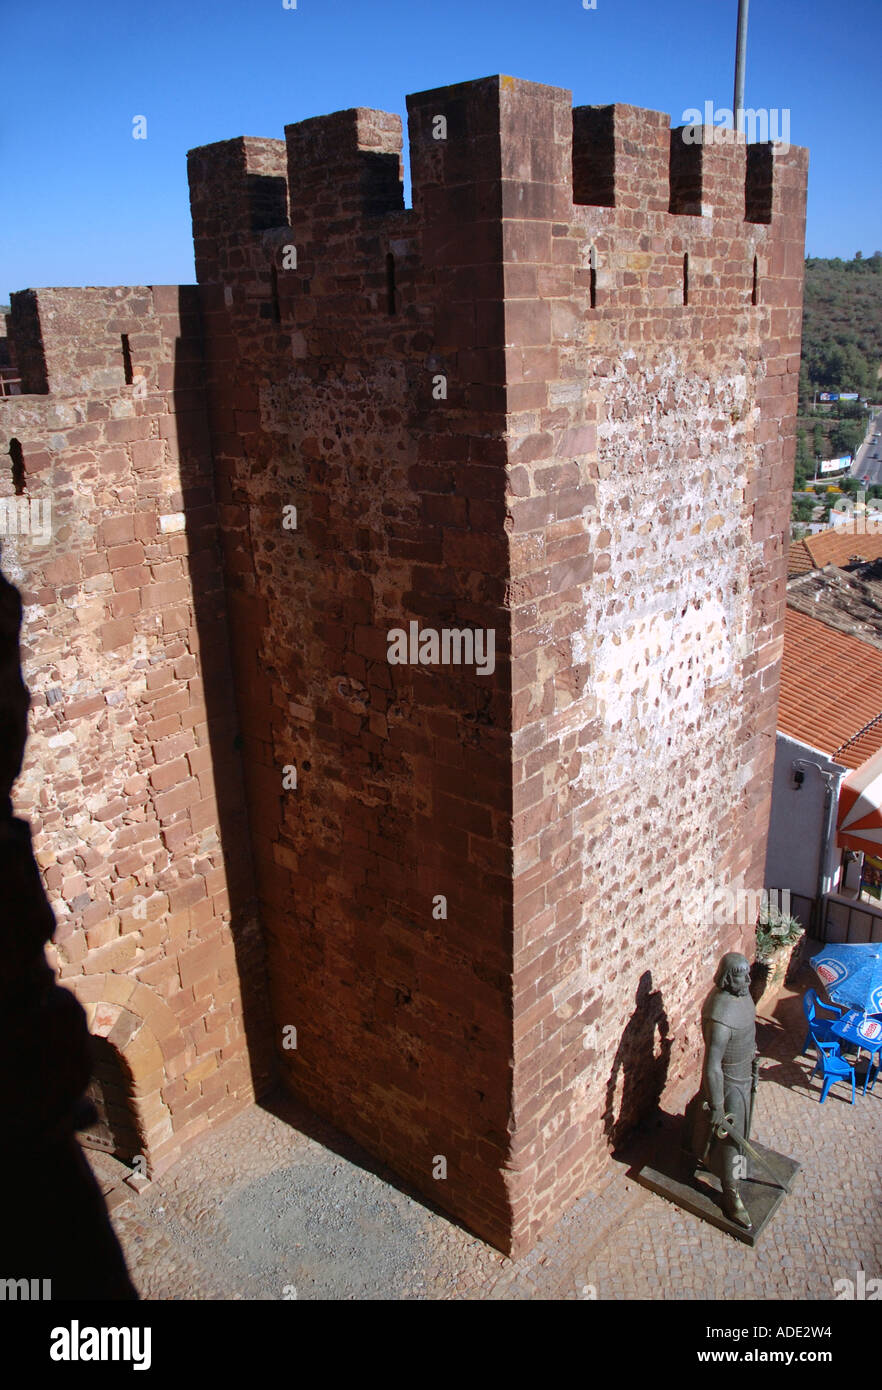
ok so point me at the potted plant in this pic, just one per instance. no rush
(777, 937)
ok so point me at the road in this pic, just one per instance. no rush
(868, 459)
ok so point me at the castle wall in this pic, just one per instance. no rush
(651, 458)
(403, 791)
(132, 726)
(552, 402)
(605, 484)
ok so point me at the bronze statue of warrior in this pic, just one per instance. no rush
(728, 1081)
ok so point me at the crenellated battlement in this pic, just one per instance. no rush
(346, 162)
(519, 146)
(505, 174)
(75, 342)
(237, 188)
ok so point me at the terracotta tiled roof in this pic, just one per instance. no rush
(841, 545)
(831, 690)
(798, 561)
(850, 600)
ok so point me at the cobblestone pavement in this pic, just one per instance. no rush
(277, 1205)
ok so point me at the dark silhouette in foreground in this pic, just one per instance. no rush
(55, 1225)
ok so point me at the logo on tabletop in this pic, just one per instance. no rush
(831, 972)
(871, 1029)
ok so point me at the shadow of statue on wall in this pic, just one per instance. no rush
(640, 1066)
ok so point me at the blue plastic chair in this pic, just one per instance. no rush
(818, 1026)
(833, 1067)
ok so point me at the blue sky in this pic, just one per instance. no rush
(85, 203)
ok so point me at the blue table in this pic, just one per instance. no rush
(860, 1030)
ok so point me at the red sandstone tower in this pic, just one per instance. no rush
(552, 402)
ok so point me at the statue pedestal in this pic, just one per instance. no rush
(672, 1176)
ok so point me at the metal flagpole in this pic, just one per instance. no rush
(740, 56)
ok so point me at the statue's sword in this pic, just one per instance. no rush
(754, 1085)
(727, 1127)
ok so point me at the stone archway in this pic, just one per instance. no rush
(111, 1092)
(142, 1028)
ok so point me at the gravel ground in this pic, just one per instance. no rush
(277, 1205)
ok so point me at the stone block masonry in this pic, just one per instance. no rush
(553, 402)
(132, 781)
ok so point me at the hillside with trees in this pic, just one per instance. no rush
(841, 351)
(842, 326)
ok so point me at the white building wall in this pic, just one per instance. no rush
(796, 827)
